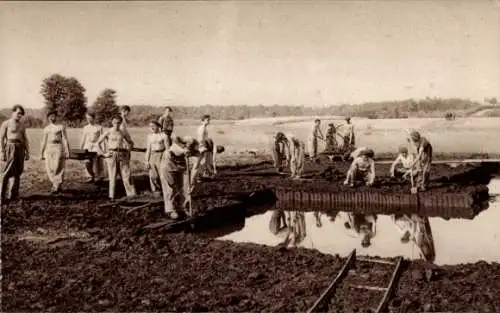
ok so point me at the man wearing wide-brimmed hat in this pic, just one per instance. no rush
(362, 168)
(423, 161)
(174, 175)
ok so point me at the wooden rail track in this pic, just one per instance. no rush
(321, 304)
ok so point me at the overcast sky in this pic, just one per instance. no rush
(246, 52)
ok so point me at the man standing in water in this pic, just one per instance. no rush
(167, 124)
(55, 150)
(14, 150)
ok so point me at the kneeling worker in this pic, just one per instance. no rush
(174, 174)
(362, 168)
(402, 166)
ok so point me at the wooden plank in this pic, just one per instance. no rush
(362, 259)
(390, 288)
(345, 269)
(374, 288)
(456, 161)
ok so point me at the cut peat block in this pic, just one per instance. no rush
(446, 205)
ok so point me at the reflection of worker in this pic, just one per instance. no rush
(279, 149)
(423, 161)
(360, 225)
(362, 168)
(316, 134)
(418, 230)
(401, 167)
(290, 226)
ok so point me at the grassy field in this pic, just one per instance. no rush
(463, 135)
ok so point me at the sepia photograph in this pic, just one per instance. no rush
(250, 156)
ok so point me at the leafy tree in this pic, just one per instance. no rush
(66, 96)
(105, 107)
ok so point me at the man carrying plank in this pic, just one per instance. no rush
(362, 168)
(14, 150)
(423, 161)
(118, 158)
(174, 175)
(55, 150)
(94, 167)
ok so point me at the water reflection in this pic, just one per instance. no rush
(411, 235)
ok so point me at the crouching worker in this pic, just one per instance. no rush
(362, 168)
(174, 175)
(296, 156)
(402, 166)
(117, 157)
(157, 143)
(279, 148)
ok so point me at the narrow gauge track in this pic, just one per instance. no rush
(322, 304)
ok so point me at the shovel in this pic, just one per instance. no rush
(413, 189)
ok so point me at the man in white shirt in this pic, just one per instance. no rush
(402, 166)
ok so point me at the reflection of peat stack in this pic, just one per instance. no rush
(446, 205)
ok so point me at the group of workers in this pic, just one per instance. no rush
(290, 227)
(289, 151)
(167, 156)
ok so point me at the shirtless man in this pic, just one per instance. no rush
(296, 153)
(157, 143)
(94, 167)
(125, 111)
(14, 150)
(117, 157)
(55, 150)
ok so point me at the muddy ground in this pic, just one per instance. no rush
(67, 254)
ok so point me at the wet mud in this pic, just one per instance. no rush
(69, 253)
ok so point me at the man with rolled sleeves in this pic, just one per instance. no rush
(174, 176)
(14, 150)
(423, 160)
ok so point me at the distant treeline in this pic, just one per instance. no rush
(429, 107)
